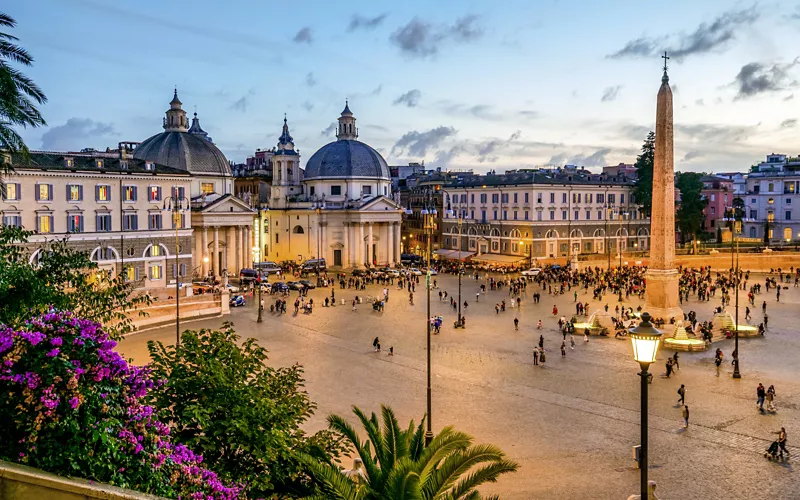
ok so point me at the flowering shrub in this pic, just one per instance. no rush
(71, 405)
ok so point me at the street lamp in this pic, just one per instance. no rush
(460, 268)
(645, 340)
(177, 204)
(429, 221)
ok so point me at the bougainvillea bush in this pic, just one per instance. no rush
(71, 405)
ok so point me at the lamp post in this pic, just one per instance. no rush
(736, 373)
(177, 204)
(319, 243)
(645, 340)
(460, 268)
(608, 248)
(429, 217)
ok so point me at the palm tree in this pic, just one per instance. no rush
(398, 466)
(18, 93)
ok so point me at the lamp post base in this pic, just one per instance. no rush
(428, 437)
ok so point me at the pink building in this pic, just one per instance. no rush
(719, 193)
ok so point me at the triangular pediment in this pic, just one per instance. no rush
(227, 204)
(379, 204)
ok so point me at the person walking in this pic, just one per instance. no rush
(572, 342)
(675, 364)
(682, 394)
(535, 356)
(541, 342)
(375, 343)
(747, 314)
(669, 367)
(563, 348)
(516, 323)
(718, 361)
(761, 394)
(782, 441)
(539, 325)
(770, 398)
(685, 415)
(555, 311)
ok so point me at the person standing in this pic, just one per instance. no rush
(375, 343)
(718, 361)
(541, 342)
(563, 348)
(761, 394)
(685, 415)
(535, 356)
(572, 342)
(682, 394)
(770, 398)
(669, 367)
(516, 323)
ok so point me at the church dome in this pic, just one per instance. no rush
(182, 147)
(184, 151)
(346, 158)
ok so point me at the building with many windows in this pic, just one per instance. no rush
(548, 213)
(112, 208)
(772, 200)
(719, 195)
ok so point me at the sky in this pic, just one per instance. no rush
(457, 84)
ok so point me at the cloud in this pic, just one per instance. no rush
(691, 155)
(707, 37)
(444, 157)
(611, 93)
(310, 79)
(789, 97)
(527, 113)
(483, 111)
(421, 39)
(418, 143)
(704, 133)
(596, 159)
(329, 130)
(367, 23)
(699, 102)
(308, 106)
(516, 135)
(410, 98)
(243, 102)
(74, 134)
(789, 123)
(303, 36)
(756, 78)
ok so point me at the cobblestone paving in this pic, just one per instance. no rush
(570, 423)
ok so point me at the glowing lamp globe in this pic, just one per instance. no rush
(646, 340)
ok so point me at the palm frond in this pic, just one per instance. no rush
(486, 474)
(15, 53)
(393, 440)
(403, 483)
(333, 483)
(444, 476)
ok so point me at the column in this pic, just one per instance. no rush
(360, 254)
(323, 226)
(204, 254)
(215, 256)
(370, 255)
(397, 241)
(248, 248)
(243, 246)
(197, 252)
(237, 242)
(230, 243)
(346, 249)
(390, 243)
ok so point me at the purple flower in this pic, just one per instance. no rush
(53, 353)
(74, 403)
(56, 341)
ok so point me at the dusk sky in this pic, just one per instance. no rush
(469, 84)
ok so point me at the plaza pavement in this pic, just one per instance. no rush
(570, 423)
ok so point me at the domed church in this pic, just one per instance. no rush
(221, 224)
(339, 208)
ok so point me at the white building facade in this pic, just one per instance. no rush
(772, 200)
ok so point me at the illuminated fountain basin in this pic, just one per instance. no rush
(680, 340)
(597, 324)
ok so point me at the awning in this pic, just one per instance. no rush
(499, 259)
(453, 254)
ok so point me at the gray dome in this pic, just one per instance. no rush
(346, 158)
(184, 151)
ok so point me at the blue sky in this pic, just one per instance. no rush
(468, 84)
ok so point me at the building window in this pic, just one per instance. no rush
(504, 198)
(154, 193)
(611, 198)
(552, 197)
(577, 215)
(538, 197)
(311, 190)
(770, 187)
(102, 193)
(483, 197)
(44, 192)
(526, 197)
(44, 224)
(754, 214)
(788, 201)
(495, 215)
(206, 187)
(336, 190)
(180, 219)
(788, 215)
(599, 215)
(483, 215)
(155, 272)
(130, 222)
(463, 198)
(103, 223)
(752, 232)
(366, 189)
(495, 198)
(505, 214)
(713, 210)
(12, 220)
(539, 215)
(515, 197)
(129, 194)
(178, 192)
(601, 197)
(75, 223)
(752, 200)
(74, 192)
(563, 215)
(552, 215)
(12, 191)
(588, 197)
(515, 215)
(154, 251)
(514, 248)
(154, 221)
(563, 197)
(622, 198)
(588, 215)
(131, 273)
(526, 215)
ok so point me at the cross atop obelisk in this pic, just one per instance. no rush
(665, 57)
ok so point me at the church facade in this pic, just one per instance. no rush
(339, 208)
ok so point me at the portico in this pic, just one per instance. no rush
(223, 235)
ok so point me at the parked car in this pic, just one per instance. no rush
(391, 272)
(414, 271)
(279, 286)
(359, 272)
(266, 287)
(268, 268)
(237, 301)
(534, 271)
(308, 284)
(232, 288)
(294, 285)
(314, 265)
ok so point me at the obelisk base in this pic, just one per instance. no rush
(661, 295)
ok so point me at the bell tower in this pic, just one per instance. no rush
(347, 130)
(285, 170)
(176, 121)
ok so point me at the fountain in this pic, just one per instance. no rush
(599, 323)
(680, 340)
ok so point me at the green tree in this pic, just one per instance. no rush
(63, 279)
(397, 465)
(18, 94)
(643, 189)
(245, 418)
(690, 212)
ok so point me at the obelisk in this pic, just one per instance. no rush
(662, 277)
